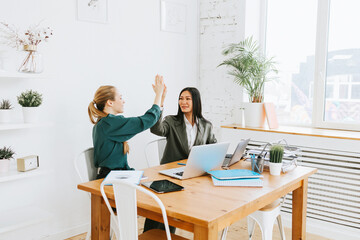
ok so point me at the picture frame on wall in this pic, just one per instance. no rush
(92, 11)
(173, 17)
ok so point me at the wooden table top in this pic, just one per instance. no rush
(202, 203)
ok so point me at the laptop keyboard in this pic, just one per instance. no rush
(179, 173)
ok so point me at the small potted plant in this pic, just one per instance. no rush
(250, 68)
(5, 111)
(276, 156)
(30, 101)
(6, 153)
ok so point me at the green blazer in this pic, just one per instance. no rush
(174, 130)
(110, 133)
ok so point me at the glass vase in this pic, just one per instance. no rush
(32, 62)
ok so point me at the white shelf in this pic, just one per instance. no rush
(17, 75)
(22, 217)
(12, 126)
(13, 174)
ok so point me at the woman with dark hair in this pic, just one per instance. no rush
(186, 129)
(182, 131)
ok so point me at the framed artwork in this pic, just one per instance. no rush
(173, 16)
(92, 11)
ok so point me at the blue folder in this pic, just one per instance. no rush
(234, 174)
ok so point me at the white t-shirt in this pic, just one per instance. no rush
(191, 132)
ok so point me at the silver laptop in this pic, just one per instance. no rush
(231, 159)
(202, 159)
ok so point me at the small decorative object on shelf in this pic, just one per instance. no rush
(5, 111)
(276, 156)
(30, 101)
(28, 42)
(27, 163)
(6, 153)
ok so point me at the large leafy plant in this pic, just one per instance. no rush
(250, 67)
(30, 98)
(6, 153)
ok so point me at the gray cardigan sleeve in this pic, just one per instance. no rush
(211, 137)
(161, 128)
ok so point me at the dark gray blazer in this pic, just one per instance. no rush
(174, 130)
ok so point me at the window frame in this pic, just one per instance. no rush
(320, 68)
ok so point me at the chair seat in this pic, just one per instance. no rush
(271, 206)
(158, 234)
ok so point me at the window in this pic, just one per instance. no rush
(317, 47)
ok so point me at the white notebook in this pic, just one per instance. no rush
(245, 182)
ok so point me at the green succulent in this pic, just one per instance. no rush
(30, 98)
(276, 153)
(5, 104)
(6, 153)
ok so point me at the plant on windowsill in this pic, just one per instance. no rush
(276, 156)
(30, 101)
(250, 68)
(6, 153)
(5, 111)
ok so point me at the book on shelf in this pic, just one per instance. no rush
(126, 175)
(240, 182)
(234, 174)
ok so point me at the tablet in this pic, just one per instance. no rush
(162, 186)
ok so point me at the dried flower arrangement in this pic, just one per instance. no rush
(27, 41)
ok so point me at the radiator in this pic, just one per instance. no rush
(334, 191)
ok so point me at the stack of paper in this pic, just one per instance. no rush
(126, 175)
(236, 177)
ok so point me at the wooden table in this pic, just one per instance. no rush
(203, 208)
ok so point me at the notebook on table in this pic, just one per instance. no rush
(234, 174)
(244, 182)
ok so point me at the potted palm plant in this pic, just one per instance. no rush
(30, 101)
(5, 111)
(6, 153)
(250, 68)
(276, 156)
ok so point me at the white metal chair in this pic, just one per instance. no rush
(265, 218)
(151, 153)
(126, 207)
(85, 168)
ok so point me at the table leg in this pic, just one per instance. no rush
(299, 200)
(100, 219)
(203, 233)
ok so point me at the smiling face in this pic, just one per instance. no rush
(186, 102)
(117, 105)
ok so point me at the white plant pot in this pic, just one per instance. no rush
(275, 168)
(5, 115)
(254, 114)
(31, 114)
(4, 165)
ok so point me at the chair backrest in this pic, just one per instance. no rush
(154, 151)
(126, 207)
(84, 165)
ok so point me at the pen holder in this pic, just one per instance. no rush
(257, 164)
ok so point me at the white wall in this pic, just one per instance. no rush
(128, 52)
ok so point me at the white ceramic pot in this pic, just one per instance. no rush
(4, 165)
(254, 114)
(275, 168)
(31, 114)
(5, 115)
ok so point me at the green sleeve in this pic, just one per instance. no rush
(161, 128)
(121, 129)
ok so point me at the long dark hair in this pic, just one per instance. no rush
(196, 100)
